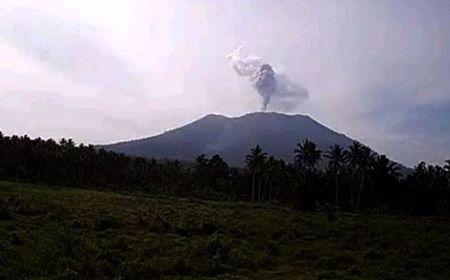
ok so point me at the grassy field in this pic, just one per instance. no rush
(61, 233)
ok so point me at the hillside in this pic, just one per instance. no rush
(63, 233)
(232, 138)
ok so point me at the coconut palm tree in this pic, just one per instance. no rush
(307, 156)
(365, 164)
(336, 162)
(385, 175)
(352, 157)
(384, 167)
(306, 159)
(255, 163)
(272, 171)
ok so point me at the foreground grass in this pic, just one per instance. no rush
(61, 233)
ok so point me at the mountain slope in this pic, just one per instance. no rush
(232, 138)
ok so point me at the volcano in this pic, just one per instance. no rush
(232, 138)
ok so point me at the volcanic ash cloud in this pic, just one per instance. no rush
(274, 88)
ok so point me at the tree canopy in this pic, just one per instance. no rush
(351, 178)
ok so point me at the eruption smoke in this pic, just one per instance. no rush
(271, 86)
(265, 83)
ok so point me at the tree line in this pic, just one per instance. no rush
(354, 178)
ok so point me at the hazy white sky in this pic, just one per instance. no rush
(103, 71)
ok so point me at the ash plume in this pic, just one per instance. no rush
(265, 83)
(274, 88)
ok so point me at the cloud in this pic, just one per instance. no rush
(377, 70)
(42, 113)
(72, 48)
(409, 119)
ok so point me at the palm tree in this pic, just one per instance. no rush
(307, 155)
(385, 175)
(365, 163)
(336, 162)
(352, 157)
(255, 163)
(353, 154)
(271, 170)
(306, 159)
(384, 166)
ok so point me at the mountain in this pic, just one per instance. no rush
(233, 138)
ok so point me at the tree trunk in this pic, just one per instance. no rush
(270, 190)
(17, 173)
(337, 189)
(361, 187)
(351, 192)
(81, 178)
(259, 187)
(39, 175)
(253, 186)
(266, 189)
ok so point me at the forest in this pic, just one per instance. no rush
(350, 179)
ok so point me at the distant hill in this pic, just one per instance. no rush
(232, 138)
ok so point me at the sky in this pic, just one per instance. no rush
(104, 71)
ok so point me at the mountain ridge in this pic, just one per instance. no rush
(232, 137)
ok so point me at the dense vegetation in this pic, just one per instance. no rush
(354, 179)
(69, 233)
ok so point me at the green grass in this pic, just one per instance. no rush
(61, 233)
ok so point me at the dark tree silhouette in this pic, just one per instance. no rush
(306, 160)
(356, 179)
(255, 163)
(336, 163)
(307, 156)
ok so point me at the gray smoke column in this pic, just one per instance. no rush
(265, 83)
(273, 87)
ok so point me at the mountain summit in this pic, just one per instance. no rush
(233, 138)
